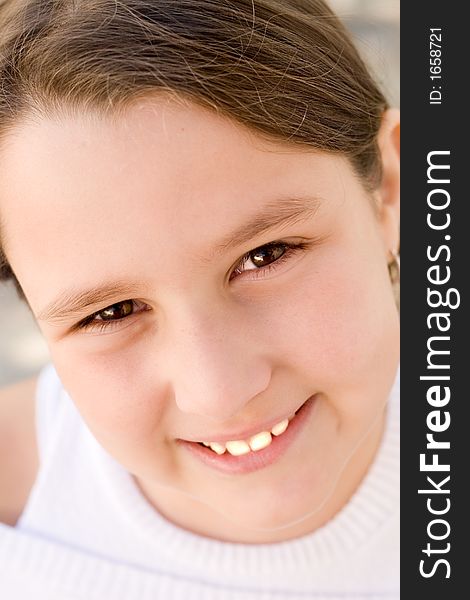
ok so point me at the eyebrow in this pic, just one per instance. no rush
(73, 303)
(281, 212)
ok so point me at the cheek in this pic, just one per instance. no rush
(112, 396)
(337, 323)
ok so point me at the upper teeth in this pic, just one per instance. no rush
(255, 442)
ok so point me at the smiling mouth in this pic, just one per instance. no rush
(242, 456)
(254, 443)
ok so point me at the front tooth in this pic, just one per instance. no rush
(216, 447)
(237, 448)
(260, 441)
(280, 427)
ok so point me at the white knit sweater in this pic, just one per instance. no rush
(87, 533)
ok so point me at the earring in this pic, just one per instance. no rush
(394, 272)
(394, 267)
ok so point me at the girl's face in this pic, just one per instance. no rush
(196, 283)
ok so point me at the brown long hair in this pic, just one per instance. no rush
(287, 69)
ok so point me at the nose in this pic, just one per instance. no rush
(215, 365)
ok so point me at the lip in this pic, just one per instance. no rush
(248, 433)
(252, 461)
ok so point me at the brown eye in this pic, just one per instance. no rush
(113, 316)
(116, 311)
(267, 258)
(263, 256)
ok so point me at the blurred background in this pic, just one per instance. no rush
(375, 27)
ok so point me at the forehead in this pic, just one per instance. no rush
(158, 135)
(164, 175)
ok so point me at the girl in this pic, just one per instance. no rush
(199, 203)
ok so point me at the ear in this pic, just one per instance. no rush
(388, 192)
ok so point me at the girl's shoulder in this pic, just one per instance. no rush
(19, 459)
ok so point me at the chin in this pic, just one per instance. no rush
(293, 510)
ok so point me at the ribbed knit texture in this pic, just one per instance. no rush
(88, 533)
